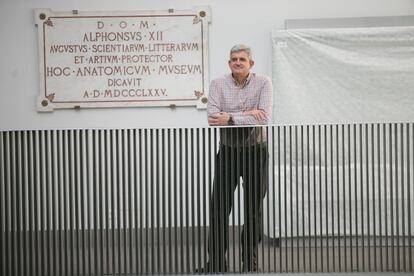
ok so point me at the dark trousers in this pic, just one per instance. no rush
(250, 163)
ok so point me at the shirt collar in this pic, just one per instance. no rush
(246, 82)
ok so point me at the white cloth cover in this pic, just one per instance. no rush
(343, 75)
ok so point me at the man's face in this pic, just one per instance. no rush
(240, 63)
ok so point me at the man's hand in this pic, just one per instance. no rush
(219, 119)
(256, 113)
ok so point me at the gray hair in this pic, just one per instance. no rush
(241, 48)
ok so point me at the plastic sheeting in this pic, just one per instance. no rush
(343, 75)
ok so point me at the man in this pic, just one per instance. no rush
(239, 98)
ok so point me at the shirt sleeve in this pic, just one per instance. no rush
(265, 103)
(213, 104)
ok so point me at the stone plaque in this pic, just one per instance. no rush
(119, 59)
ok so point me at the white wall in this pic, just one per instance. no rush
(234, 21)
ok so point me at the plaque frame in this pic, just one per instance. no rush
(64, 76)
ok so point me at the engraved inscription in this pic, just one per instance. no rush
(123, 58)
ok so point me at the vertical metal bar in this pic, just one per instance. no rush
(361, 167)
(102, 152)
(78, 199)
(380, 224)
(64, 223)
(268, 128)
(72, 200)
(314, 197)
(409, 182)
(54, 183)
(320, 194)
(2, 199)
(398, 183)
(214, 264)
(99, 178)
(273, 172)
(338, 205)
(368, 219)
(163, 200)
(30, 181)
(356, 195)
(76, 196)
(176, 270)
(11, 182)
(404, 255)
(279, 184)
(326, 199)
(186, 221)
(151, 201)
(193, 242)
(331, 165)
(361, 189)
(112, 208)
(297, 199)
(118, 191)
(198, 200)
(107, 206)
(9, 205)
(386, 193)
(344, 202)
(256, 199)
(82, 184)
(393, 126)
(122, 246)
(24, 172)
(374, 207)
(291, 198)
(206, 196)
(187, 199)
(141, 216)
(96, 176)
(13, 232)
(119, 188)
(7, 152)
(285, 197)
(181, 215)
(350, 198)
(87, 176)
(42, 228)
(126, 198)
(303, 198)
(154, 163)
(18, 184)
(148, 200)
(396, 249)
(60, 196)
(136, 184)
(206, 165)
(102, 202)
(170, 203)
(397, 199)
(84, 197)
(16, 216)
(308, 165)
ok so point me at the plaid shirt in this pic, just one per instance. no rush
(226, 95)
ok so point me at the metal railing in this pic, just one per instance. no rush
(137, 201)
